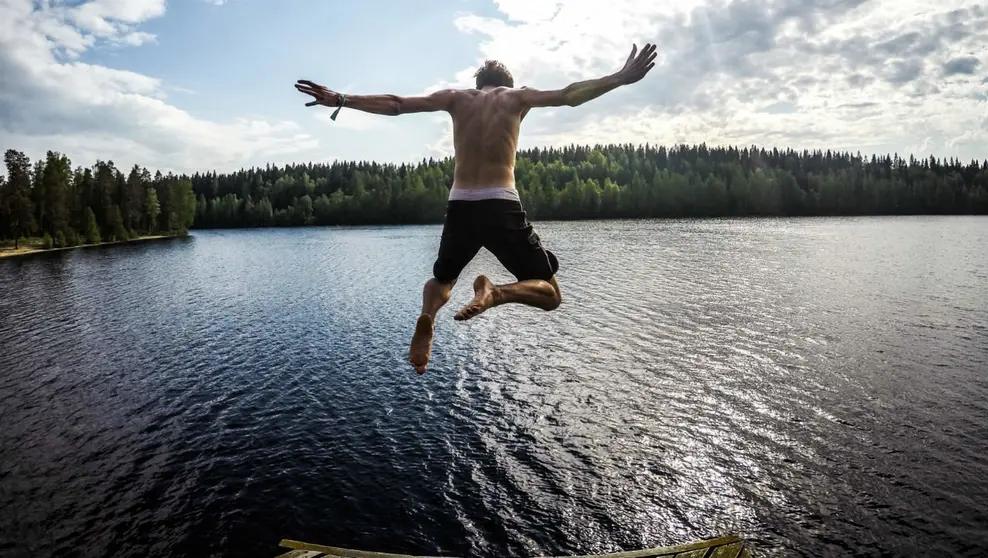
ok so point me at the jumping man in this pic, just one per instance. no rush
(484, 209)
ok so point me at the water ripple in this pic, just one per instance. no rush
(817, 385)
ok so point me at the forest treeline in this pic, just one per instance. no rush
(602, 182)
(69, 207)
(575, 182)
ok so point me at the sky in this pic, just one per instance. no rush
(207, 85)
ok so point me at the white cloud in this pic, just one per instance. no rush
(869, 75)
(51, 100)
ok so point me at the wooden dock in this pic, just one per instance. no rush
(723, 547)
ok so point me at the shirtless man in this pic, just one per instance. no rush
(484, 209)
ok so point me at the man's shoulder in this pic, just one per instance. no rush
(474, 92)
(467, 99)
(454, 94)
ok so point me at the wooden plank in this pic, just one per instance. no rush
(727, 551)
(722, 547)
(345, 552)
(665, 551)
(301, 554)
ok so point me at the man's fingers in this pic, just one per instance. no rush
(644, 59)
(646, 52)
(313, 86)
(317, 93)
(317, 100)
(636, 60)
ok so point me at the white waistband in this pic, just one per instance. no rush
(477, 194)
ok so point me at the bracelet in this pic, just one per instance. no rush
(338, 107)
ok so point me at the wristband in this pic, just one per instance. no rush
(338, 107)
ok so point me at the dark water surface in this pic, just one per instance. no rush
(819, 385)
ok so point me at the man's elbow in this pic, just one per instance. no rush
(569, 98)
(394, 106)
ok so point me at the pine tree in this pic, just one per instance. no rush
(92, 227)
(133, 205)
(17, 194)
(56, 181)
(152, 210)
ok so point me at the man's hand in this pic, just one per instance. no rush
(323, 96)
(636, 67)
(575, 94)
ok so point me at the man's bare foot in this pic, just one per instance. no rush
(421, 348)
(485, 294)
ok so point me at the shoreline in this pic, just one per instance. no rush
(30, 250)
(599, 219)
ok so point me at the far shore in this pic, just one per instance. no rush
(35, 246)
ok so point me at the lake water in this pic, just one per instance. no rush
(818, 385)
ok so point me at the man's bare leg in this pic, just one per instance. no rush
(434, 295)
(534, 292)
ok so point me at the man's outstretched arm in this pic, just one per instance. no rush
(580, 92)
(389, 105)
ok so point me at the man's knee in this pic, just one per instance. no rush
(557, 297)
(440, 288)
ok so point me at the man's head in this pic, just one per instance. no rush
(493, 74)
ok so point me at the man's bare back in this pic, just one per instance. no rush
(484, 208)
(485, 137)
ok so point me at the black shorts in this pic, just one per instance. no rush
(502, 227)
